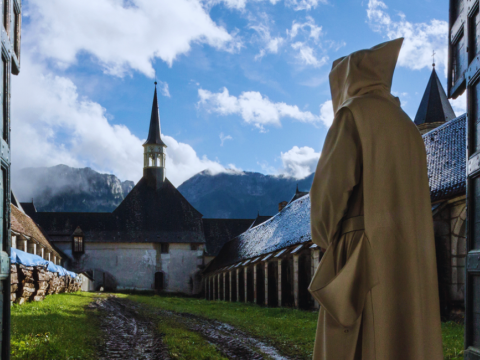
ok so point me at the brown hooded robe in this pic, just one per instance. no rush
(371, 211)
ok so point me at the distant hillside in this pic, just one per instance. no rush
(62, 188)
(228, 195)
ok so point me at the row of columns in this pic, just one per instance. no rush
(278, 279)
(32, 247)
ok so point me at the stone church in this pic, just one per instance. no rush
(155, 239)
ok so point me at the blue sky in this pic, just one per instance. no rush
(244, 83)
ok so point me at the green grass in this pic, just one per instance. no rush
(290, 330)
(184, 344)
(57, 328)
(452, 334)
(61, 328)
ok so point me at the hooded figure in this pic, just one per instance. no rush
(371, 211)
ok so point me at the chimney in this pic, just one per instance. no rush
(282, 205)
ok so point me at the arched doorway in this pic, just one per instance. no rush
(159, 280)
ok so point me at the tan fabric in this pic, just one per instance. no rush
(377, 287)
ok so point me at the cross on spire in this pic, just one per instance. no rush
(433, 57)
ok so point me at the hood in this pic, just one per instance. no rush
(364, 71)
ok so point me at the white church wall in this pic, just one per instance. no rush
(180, 266)
(133, 265)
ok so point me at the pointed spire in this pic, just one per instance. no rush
(434, 106)
(154, 131)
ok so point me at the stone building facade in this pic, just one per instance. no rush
(154, 240)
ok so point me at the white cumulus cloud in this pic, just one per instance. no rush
(459, 104)
(253, 107)
(234, 4)
(163, 87)
(304, 4)
(421, 39)
(306, 55)
(326, 113)
(53, 124)
(270, 44)
(121, 35)
(299, 162)
(224, 138)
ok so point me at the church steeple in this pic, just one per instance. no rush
(434, 109)
(154, 147)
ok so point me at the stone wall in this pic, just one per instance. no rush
(120, 266)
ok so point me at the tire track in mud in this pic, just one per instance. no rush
(131, 333)
(230, 341)
(127, 335)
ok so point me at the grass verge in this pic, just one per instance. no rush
(291, 331)
(57, 328)
(452, 334)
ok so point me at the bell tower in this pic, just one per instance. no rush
(154, 149)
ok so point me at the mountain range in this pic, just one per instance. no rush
(62, 188)
(223, 195)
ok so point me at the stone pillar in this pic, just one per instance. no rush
(224, 283)
(32, 247)
(218, 284)
(49, 256)
(315, 262)
(14, 241)
(255, 284)
(237, 284)
(230, 285)
(42, 252)
(279, 262)
(266, 283)
(295, 280)
(245, 282)
(24, 245)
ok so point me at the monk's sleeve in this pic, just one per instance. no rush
(338, 171)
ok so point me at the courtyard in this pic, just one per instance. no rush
(143, 326)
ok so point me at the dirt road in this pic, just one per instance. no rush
(131, 333)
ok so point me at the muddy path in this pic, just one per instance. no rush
(230, 341)
(131, 333)
(127, 335)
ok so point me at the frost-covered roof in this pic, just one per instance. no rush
(289, 227)
(446, 159)
(445, 148)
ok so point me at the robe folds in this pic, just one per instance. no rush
(371, 211)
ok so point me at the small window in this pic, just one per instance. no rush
(78, 243)
(6, 127)
(164, 248)
(16, 31)
(194, 247)
(5, 15)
